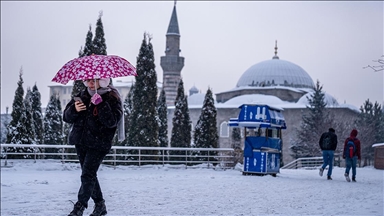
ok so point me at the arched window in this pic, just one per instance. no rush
(224, 129)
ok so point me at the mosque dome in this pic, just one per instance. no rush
(276, 72)
(193, 90)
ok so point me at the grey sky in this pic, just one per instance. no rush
(332, 41)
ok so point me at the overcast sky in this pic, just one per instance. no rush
(332, 41)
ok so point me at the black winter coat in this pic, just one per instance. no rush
(96, 126)
(333, 141)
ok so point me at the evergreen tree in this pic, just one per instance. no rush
(236, 138)
(128, 108)
(143, 129)
(206, 134)
(312, 126)
(66, 130)
(237, 154)
(88, 47)
(78, 85)
(162, 120)
(370, 129)
(181, 124)
(187, 123)
(4, 128)
(99, 45)
(81, 51)
(28, 129)
(53, 125)
(20, 129)
(17, 109)
(37, 114)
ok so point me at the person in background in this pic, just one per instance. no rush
(351, 153)
(328, 144)
(94, 114)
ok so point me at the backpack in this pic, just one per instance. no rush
(326, 142)
(350, 149)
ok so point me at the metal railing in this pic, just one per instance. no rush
(124, 155)
(310, 162)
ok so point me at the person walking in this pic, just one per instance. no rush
(94, 114)
(328, 144)
(351, 153)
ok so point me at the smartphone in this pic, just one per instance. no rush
(77, 99)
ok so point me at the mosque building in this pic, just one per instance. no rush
(275, 82)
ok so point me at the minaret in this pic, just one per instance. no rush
(172, 63)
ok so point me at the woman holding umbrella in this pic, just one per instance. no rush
(95, 114)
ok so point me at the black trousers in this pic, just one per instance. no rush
(90, 160)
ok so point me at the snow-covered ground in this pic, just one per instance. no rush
(45, 188)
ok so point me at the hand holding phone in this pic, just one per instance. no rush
(77, 99)
(80, 105)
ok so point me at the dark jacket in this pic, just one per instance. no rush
(357, 144)
(333, 143)
(96, 126)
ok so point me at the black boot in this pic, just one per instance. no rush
(99, 209)
(353, 179)
(78, 209)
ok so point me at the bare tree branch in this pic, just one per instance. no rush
(377, 68)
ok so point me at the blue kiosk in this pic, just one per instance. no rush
(262, 137)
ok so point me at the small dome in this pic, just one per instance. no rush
(276, 72)
(196, 99)
(193, 90)
(329, 99)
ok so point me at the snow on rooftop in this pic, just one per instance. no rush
(268, 87)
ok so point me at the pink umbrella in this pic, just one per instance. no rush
(94, 67)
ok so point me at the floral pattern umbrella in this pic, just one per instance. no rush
(94, 67)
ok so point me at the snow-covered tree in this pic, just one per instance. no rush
(128, 108)
(143, 129)
(78, 85)
(206, 134)
(37, 114)
(181, 124)
(370, 129)
(236, 138)
(53, 125)
(237, 155)
(21, 131)
(17, 109)
(162, 120)
(88, 47)
(28, 122)
(99, 45)
(313, 124)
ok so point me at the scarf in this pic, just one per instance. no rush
(101, 91)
